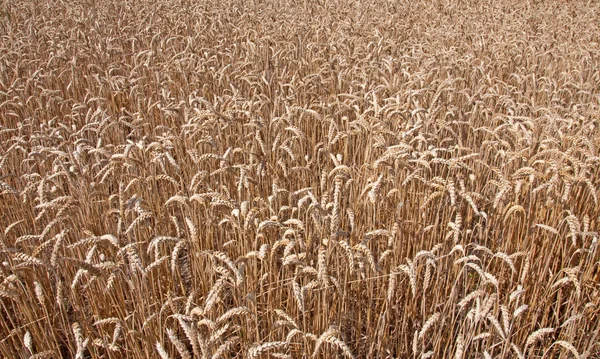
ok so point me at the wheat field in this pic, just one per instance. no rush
(299, 179)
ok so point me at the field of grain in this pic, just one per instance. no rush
(299, 179)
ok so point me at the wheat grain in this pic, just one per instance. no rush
(236, 173)
(257, 350)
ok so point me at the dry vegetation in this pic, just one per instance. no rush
(299, 179)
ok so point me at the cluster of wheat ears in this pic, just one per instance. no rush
(299, 179)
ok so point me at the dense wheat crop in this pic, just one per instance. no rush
(299, 179)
